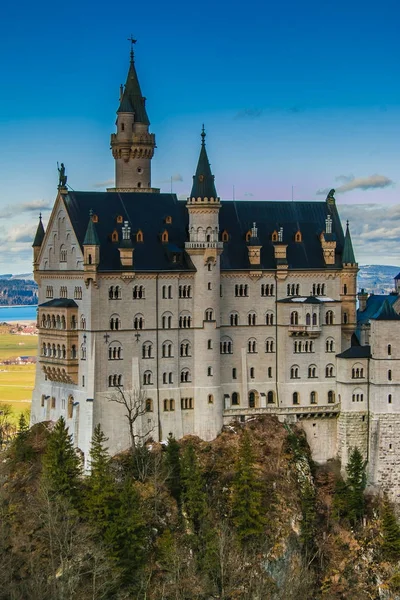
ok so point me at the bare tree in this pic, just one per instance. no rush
(7, 428)
(135, 406)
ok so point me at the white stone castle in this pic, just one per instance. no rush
(209, 311)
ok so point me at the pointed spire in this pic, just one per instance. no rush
(203, 181)
(132, 99)
(348, 252)
(39, 237)
(91, 237)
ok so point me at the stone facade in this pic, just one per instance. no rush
(237, 318)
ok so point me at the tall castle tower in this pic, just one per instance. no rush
(132, 146)
(204, 249)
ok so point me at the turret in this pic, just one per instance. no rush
(37, 242)
(348, 292)
(132, 146)
(91, 251)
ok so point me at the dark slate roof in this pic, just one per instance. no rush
(308, 300)
(374, 304)
(132, 99)
(386, 313)
(203, 181)
(91, 237)
(397, 276)
(37, 242)
(59, 303)
(148, 212)
(348, 252)
(356, 352)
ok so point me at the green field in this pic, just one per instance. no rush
(13, 345)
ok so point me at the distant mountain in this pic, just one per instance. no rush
(25, 276)
(377, 279)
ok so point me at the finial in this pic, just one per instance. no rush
(203, 136)
(40, 216)
(132, 41)
(347, 223)
(254, 230)
(90, 213)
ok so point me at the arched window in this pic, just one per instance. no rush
(83, 322)
(269, 318)
(274, 236)
(329, 317)
(209, 315)
(147, 378)
(147, 350)
(73, 351)
(234, 319)
(185, 321)
(296, 398)
(329, 371)
(138, 292)
(185, 376)
(294, 372)
(63, 254)
(115, 323)
(297, 237)
(294, 318)
(166, 321)
(312, 371)
(235, 399)
(308, 319)
(269, 345)
(270, 397)
(313, 398)
(185, 348)
(253, 398)
(149, 405)
(114, 236)
(248, 236)
(330, 345)
(138, 322)
(139, 236)
(166, 404)
(226, 346)
(167, 349)
(210, 399)
(314, 319)
(252, 346)
(225, 236)
(171, 404)
(390, 399)
(389, 350)
(331, 397)
(251, 318)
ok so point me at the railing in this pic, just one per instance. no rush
(308, 329)
(283, 410)
(204, 245)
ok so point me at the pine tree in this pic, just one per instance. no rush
(174, 469)
(340, 498)
(247, 498)
(356, 483)
(391, 533)
(100, 493)
(193, 495)
(23, 451)
(126, 532)
(61, 465)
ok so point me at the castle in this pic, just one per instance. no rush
(209, 311)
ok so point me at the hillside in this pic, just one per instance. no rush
(246, 516)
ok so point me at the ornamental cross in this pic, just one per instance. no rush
(106, 336)
(137, 336)
(132, 41)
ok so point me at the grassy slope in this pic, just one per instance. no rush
(13, 345)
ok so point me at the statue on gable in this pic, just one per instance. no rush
(331, 194)
(62, 178)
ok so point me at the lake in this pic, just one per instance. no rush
(18, 313)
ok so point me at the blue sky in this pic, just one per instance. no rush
(303, 94)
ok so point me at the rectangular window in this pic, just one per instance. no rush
(209, 371)
(83, 381)
(234, 376)
(53, 402)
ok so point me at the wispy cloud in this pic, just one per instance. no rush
(248, 195)
(351, 183)
(31, 206)
(249, 113)
(174, 177)
(103, 184)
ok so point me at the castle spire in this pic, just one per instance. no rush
(133, 100)
(203, 181)
(348, 252)
(39, 237)
(91, 237)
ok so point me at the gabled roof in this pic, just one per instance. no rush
(132, 99)
(203, 181)
(146, 211)
(348, 252)
(59, 303)
(39, 236)
(386, 313)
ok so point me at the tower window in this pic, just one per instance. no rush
(389, 350)
(390, 375)
(122, 126)
(390, 399)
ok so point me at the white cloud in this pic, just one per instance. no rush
(104, 184)
(350, 183)
(31, 206)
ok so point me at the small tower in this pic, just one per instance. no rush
(126, 246)
(204, 249)
(37, 243)
(254, 247)
(348, 292)
(132, 146)
(91, 251)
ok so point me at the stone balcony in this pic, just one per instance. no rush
(62, 370)
(284, 413)
(312, 331)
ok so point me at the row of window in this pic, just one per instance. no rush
(59, 351)
(312, 371)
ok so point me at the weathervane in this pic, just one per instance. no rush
(132, 41)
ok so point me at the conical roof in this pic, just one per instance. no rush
(91, 237)
(132, 99)
(348, 252)
(39, 237)
(203, 181)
